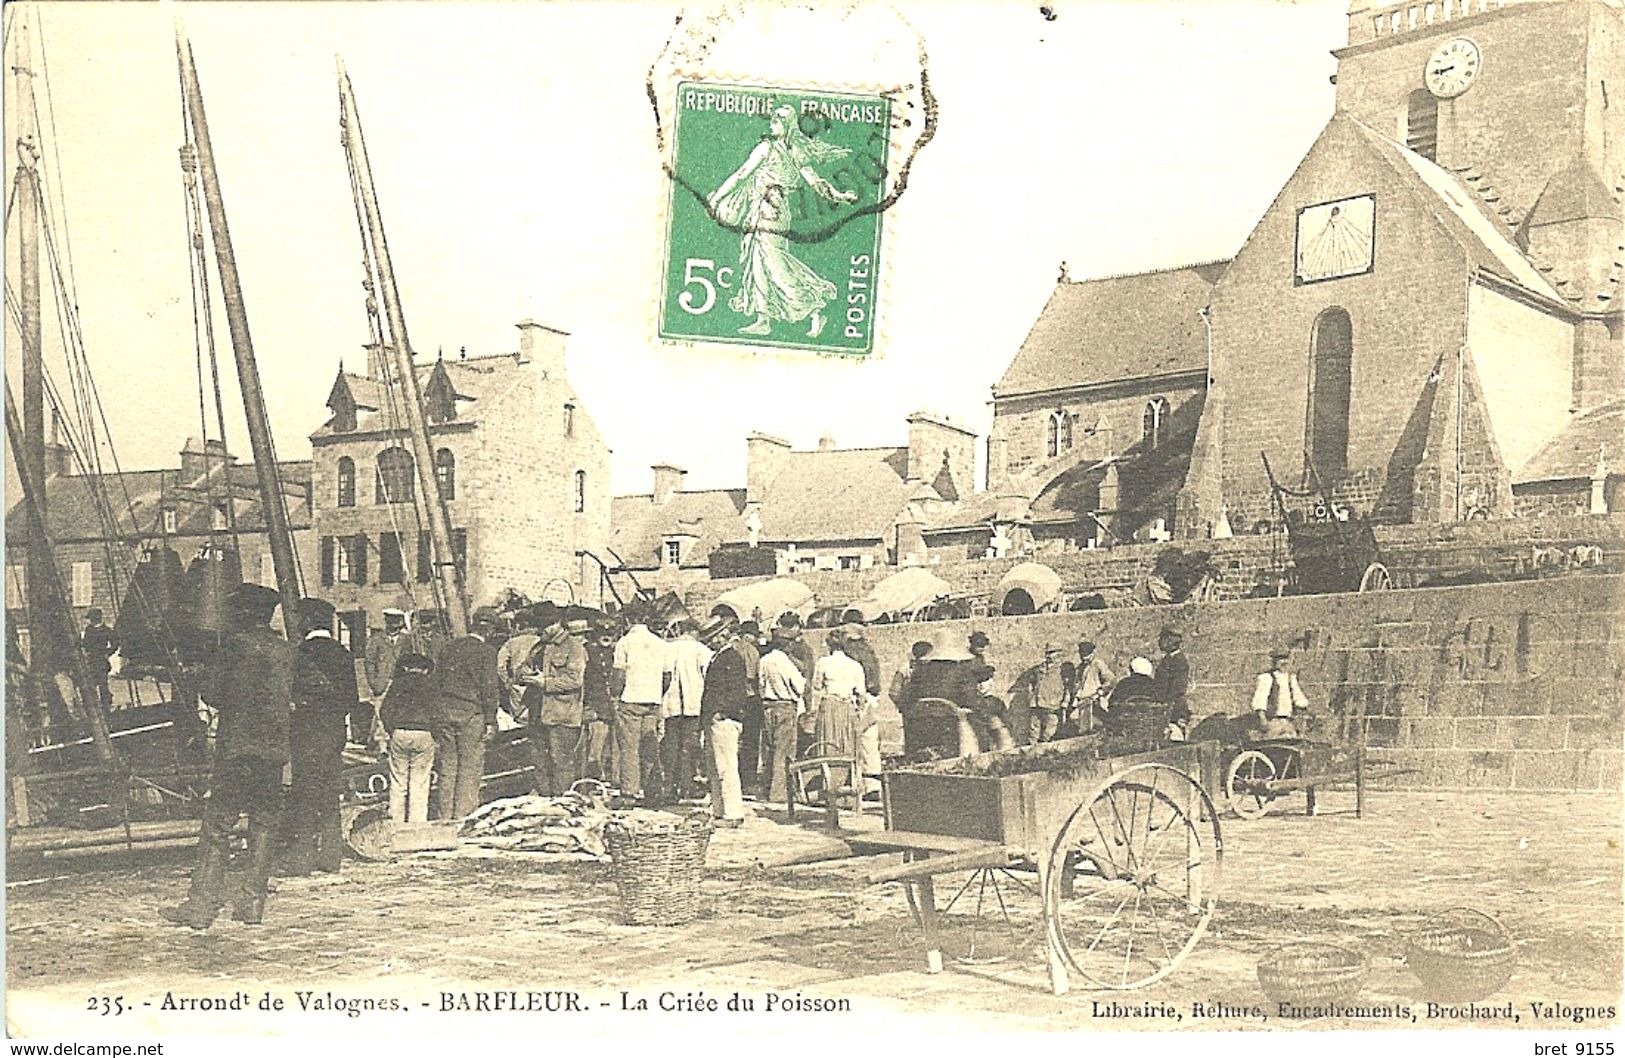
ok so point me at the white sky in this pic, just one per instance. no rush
(514, 152)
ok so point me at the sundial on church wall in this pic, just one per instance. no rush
(1334, 239)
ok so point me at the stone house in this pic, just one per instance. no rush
(520, 464)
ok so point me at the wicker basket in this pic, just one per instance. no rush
(1461, 955)
(657, 868)
(1309, 974)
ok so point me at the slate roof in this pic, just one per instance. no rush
(1461, 213)
(838, 494)
(1119, 327)
(72, 509)
(1573, 452)
(474, 379)
(639, 527)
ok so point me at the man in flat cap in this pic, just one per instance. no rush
(249, 681)
(466, 685)
(553, 677)
(727, 690)
(1277, 698)
(324, 693)
(1174, 677)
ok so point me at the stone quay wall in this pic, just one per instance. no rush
(1497, 686)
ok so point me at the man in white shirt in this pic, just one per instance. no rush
(1277, 698)
(640, 665)
(784, 691)
(686, 661)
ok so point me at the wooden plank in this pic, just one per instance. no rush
(852, 868)
(921, 869)
(914, 842)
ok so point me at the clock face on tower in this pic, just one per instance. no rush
(1451, 68)
(1335, 239)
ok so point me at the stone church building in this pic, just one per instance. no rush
(1430, 308)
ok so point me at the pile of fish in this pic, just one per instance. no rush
(532, 823)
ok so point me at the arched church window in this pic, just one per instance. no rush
(1152, 425)
(1331, 357)
(1065, 431)
(1422, 123)
(1052, 446)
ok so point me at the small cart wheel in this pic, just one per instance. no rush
(1376, 578)
(1245, 783)
(1133, 877)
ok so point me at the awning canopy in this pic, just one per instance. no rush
(900, 594)
(1028, 588)
(764, 601)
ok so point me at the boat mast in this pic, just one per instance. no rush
(266, 471)
(70, 651)
(44, 650)
(448, 574)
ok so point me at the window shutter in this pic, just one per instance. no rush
(425, 558)
(459, 549)
(359, 563)
(329, 559)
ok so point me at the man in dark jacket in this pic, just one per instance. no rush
(553, 677)
(597, 694)
(249, 680)
(728, 691)
(466, 679)
(1174, 677)
(324, 693)
(748, 644)
(99, 646)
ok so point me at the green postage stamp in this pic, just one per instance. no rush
(773, 233)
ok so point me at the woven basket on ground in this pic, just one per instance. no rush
(1461, 955)
(657, 867)
(1308, 974)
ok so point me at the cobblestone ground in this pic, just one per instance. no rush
(1547, 866)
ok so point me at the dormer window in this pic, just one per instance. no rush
(674, 553)
(169, 520)
(440, 396)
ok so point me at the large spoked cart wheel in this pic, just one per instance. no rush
(1132, 879)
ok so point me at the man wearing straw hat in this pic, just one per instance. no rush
(1045, 693)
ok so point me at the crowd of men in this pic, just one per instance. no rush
(660, 713)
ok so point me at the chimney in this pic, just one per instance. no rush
(543, 346)
(58, 456)
(998, 461)
(764, 458)
(935, 439)
(199, 456)
(668, 482)
(378, 362)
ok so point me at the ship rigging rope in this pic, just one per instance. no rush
(88, 406)
(201, 265)
(204, 336)
(393, 398)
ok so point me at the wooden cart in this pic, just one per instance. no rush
(1126, 850)
(1261, 771)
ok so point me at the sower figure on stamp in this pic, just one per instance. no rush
(774, 284)
(324, 693)
(249, 680)
(553, 679)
